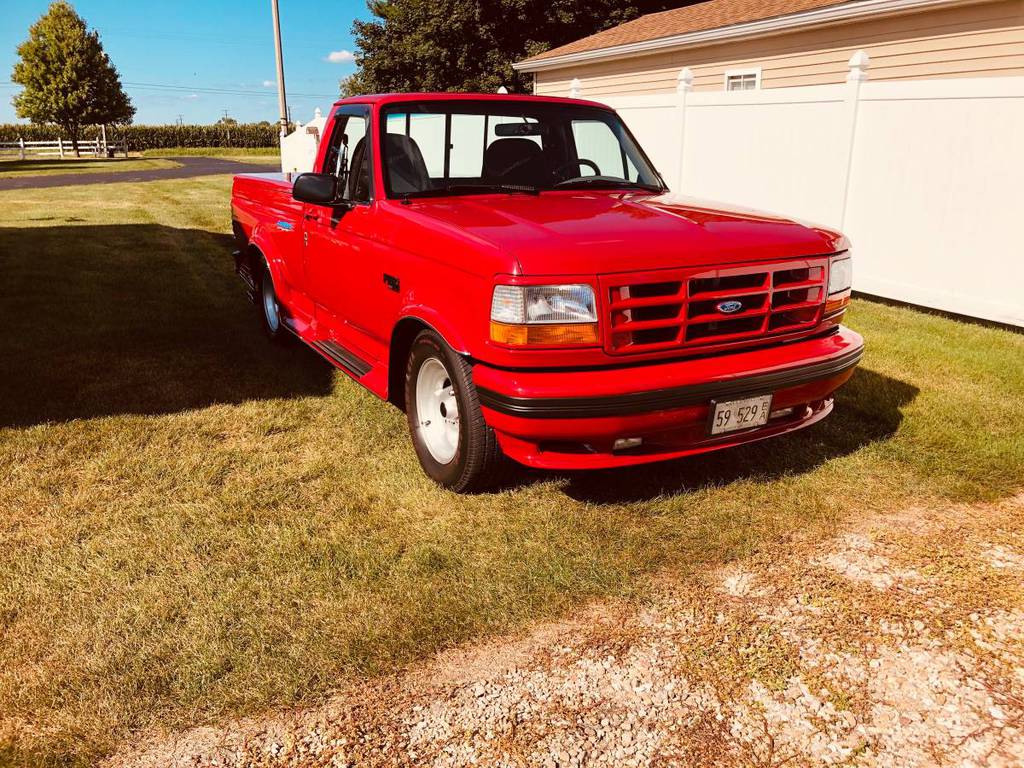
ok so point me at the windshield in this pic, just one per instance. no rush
(474, 147)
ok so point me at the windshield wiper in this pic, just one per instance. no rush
(593, 181)
(456, 189)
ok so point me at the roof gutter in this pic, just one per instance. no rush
(775, 25)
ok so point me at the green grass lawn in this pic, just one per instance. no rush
(239, 154)
(199, 524)
(48, 166)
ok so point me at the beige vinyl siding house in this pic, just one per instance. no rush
(904, 41)
(897, 122)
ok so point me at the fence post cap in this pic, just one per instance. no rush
(858, 65)
(317, 114)
(684, 80)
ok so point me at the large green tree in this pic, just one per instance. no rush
(67, 77)
(470, 45)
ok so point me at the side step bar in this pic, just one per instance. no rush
(342, 357)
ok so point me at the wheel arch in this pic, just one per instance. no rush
(402, 337)
(259, 250)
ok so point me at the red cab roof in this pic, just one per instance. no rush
(391, 98)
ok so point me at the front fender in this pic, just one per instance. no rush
(436, 321)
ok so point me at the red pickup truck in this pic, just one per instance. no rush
(513, 272)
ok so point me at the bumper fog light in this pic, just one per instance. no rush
(624, 443)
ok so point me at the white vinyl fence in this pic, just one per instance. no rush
(61, 148)
(926, 177)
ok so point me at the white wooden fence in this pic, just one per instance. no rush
(61, 148)
(926, 177)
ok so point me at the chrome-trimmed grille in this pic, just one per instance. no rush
(670, 309)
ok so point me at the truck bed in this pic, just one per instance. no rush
(264, 198)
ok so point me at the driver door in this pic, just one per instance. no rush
(337, 239)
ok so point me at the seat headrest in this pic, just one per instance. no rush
(513, 161)
(407, 171)
(359, 176)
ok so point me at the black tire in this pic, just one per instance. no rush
(272, 320)
(478, 463)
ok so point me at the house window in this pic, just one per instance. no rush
(742, 79)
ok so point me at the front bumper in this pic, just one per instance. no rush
(559, 419)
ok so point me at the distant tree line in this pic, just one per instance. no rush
(140, 137)
(470, 45)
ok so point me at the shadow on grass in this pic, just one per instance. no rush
(149, 319)
(868, 410)
(133, 319)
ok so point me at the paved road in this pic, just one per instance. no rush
(190, 166)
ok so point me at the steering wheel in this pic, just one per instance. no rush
(576, 164)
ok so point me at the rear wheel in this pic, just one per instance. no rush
(455, 446)
(269, 307)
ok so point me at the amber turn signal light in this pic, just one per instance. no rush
(836, 305)
(546, 334)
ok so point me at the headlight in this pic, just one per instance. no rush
(554, 315)
(840, 274)
(543, 304)
(840, 281)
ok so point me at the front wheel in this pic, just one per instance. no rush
(455, 446)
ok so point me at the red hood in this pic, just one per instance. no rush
(581, 232)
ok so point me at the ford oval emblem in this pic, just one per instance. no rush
(728, 307)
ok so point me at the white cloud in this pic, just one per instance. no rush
(269, 83)
(340, 57)
(192, 96)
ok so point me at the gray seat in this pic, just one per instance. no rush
(514, 161)
(407, 171)
(359, 173)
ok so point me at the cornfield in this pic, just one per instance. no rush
(141, 137)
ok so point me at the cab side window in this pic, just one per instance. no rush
(348, 157)
(596, 142)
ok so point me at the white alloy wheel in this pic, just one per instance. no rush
(271, 311)
(437, 410)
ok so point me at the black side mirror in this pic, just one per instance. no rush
(316, 188)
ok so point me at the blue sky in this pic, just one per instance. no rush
(202, 46)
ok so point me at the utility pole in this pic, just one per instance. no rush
(282, 103)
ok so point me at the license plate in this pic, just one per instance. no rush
(733, 415)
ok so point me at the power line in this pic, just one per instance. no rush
(199, 89)
(234, 39)
(232, 91)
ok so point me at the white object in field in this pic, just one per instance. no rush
(924, 176)
(298, 148)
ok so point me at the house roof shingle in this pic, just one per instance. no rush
(699, 17)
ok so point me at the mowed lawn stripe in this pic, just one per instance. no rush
(199, 524)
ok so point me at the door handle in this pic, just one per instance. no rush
(310, 217)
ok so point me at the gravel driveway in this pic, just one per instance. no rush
(899, 643)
